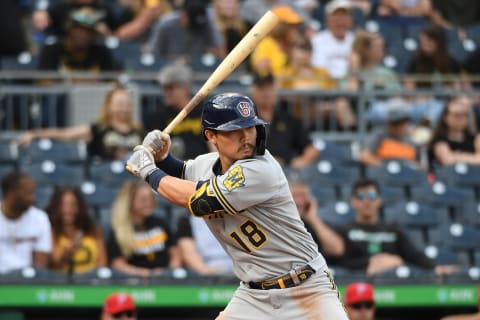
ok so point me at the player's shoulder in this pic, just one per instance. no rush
(261, 164)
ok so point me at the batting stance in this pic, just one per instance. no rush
(243, 194)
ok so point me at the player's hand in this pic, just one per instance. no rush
(158, 143)
(141, 162)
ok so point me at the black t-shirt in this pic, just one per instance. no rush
(107, 143)
(187, 139)
(466, 145)
(364, 240)
(96, 58)
(184, 228)
(286, 137)
(154, 238)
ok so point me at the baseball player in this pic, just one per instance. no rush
(243, 194)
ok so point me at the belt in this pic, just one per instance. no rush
(293, 278)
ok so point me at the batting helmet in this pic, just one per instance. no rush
(233, 111)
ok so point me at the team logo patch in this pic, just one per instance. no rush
(235, 179)
(244, 108)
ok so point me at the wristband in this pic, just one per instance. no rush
(154, 178)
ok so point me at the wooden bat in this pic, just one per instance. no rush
(229, 64)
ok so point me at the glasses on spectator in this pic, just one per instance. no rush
(362, 305)
(128, 314)
(362, 195)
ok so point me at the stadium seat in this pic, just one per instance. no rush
(440, 194)
(329, 173)
(405, 275)
(23, 61)
(323, 194)
(466, 275)
(460, 175)
(8, 152)
(204, 63)
(337, 213)
(110, 173)
(471, 213)
(398, 174)
(98, 196)
(48, 173)
(43, 195)
(459, 237)
(54, 150)
(441, 255)
(415, 214)
(6, 168)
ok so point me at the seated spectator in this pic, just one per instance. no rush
(432, 60)
(54, 18)
(288, 141)
(111, 137)
(187, 139)
(367, 72)
(393, 141)
(25, 232)
(328, 241)
(332, 46)
(272, 53)
(119, 305)
(373, 246)
(185, 34)
(300, 74)
(78, 50)
(140, 243)
(405, 8)
(455, 139)
(78, 244)
(142, 15)
(201, 251)
(360, 301)
(228, 22)
(456, 14)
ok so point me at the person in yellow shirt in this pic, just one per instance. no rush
(271, 54)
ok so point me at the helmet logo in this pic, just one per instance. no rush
(244, 108)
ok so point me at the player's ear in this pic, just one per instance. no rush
(211, 136)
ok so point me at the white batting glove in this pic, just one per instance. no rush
(158, 143)
(141, 163)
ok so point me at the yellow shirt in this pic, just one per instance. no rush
(85, 257)
(314, 78)
(268, 49)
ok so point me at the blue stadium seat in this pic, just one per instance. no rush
(204, 63)
(8, 152)
(458, 237)
(323, 194)
(337, 213)
(466, 275)
(442, 255)
(111, 173)
(54, 150)
(43, 195)
(6, 168)
(98, 196)
(460, 175)
(398, 174)
(415, 214)
(471, 213)
(329, 173)
(23, 61)
(47, 173)
(335, 151)
(405, 275)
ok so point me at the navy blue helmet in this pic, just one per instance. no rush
(233, 111)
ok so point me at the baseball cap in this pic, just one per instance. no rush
(358, 292)
(86, 17)
(118, 302)
(175, 74)
(397, 111)
(287, 14)
(335, 5)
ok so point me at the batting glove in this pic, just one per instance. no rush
(141, 163)
(158, 143)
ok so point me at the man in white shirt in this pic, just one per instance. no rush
(332, 46)
(25, 231)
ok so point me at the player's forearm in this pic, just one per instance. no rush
(176, 190)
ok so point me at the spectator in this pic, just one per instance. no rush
(186, 34)
(25, 235)
(78, 244)
(78, 49)
(360, 301)
(119, 305)
(111, 137)
(272, 53)
(143, 15)
(252, 10)
(332, 46)
(289, 142)
(456, 14)
(54, 19)
(328, 241)
(228, 22)
(140, 243)
(405, 8)
(431, 60)
(201, 252)
(367, 72)
(455, 139)
(375, 247)
(187, 140)
(392, 141)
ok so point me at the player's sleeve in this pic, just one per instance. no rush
(44, 240)
(244, 185)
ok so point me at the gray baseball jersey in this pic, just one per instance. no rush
(260, 227)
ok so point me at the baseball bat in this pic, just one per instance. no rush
(228, 65)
